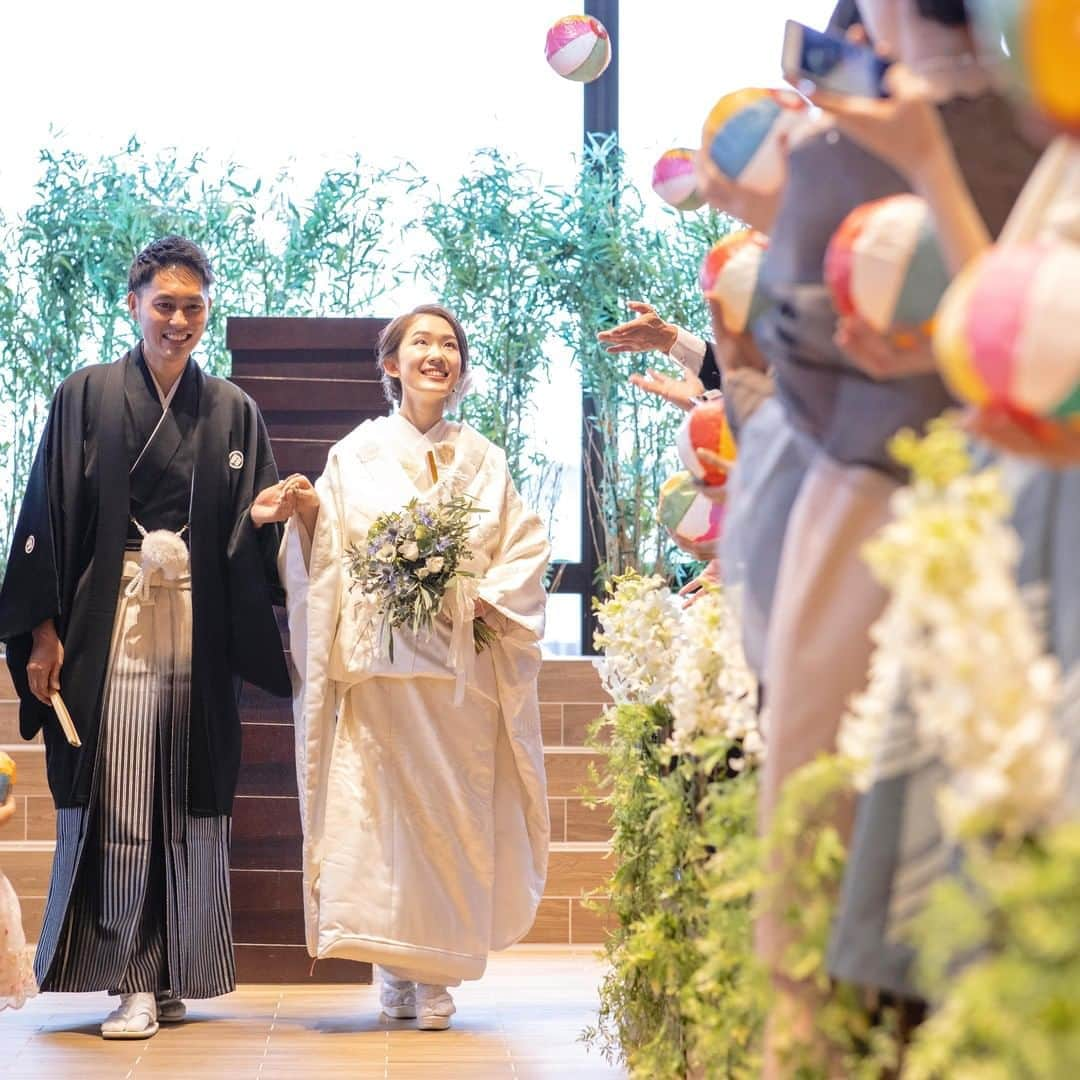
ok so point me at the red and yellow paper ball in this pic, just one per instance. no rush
(693, 520)
(884, 264)
(744, 136)
(578, 48)
(673, 179)
(1041, 42)
(730, 274)
(706, 428)
(1006, 332)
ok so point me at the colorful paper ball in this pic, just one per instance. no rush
(578, 48)
(673, 179)
(1005, 334)
(694, 521)
(884, 264)
(729, 273)
(1039, 42)
(706, 428)
(744, 133)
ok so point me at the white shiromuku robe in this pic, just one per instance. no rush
(424, 812)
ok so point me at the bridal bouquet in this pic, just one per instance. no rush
(411, 558)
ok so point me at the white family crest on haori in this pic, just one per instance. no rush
(425, 817)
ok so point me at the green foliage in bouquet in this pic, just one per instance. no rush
(999, 955)
(682, 994)
(409, 560)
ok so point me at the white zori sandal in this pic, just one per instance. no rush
(135, 1018)
(434, 1007)
(396, 996)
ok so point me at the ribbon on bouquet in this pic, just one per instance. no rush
(461, 598)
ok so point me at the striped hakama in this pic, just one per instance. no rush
(139, 895)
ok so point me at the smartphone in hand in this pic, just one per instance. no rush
(831, 62)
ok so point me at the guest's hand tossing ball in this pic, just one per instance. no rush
(884, 264)
(746, 133)
(693, 520)
(1006, 332)
(578, 48)
(673, 179)
(729, 274)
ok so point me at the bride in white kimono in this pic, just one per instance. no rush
(422, 786)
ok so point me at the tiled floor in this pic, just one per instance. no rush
(522, 1020)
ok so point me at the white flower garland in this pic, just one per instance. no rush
(714, 692)
(688, 659)
(639, 629)
(958, 637)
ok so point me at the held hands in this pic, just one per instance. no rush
(293, 495)
(46, 660)
(7, 809)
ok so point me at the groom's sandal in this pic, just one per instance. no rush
(134, 1018)
(170, 1010)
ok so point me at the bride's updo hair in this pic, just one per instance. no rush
(392, 336)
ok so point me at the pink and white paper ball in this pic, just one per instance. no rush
(1005, 334)
(673, 179)
(578, 48)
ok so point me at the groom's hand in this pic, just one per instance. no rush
(275, 503)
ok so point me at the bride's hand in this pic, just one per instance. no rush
(305, 499)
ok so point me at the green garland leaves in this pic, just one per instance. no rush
(1000, 954)
(682, 994)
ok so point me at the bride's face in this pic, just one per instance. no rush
(428, 361)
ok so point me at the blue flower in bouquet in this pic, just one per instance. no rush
(410, 559)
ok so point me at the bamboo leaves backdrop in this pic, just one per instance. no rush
(531, 269)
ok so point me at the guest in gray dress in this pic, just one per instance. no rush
(825, 599)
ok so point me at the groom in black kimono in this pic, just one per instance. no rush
(140, 586)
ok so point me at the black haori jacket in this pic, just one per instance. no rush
(66, 562)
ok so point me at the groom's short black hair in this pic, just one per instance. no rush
(166, 252)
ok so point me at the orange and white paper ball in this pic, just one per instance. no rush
(706, 428)
(730, 274)
(884, 264)
(1039, 42)
(578, 48)
(673, 179)
(1005, 334)
(693, 520)
(744, 136)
